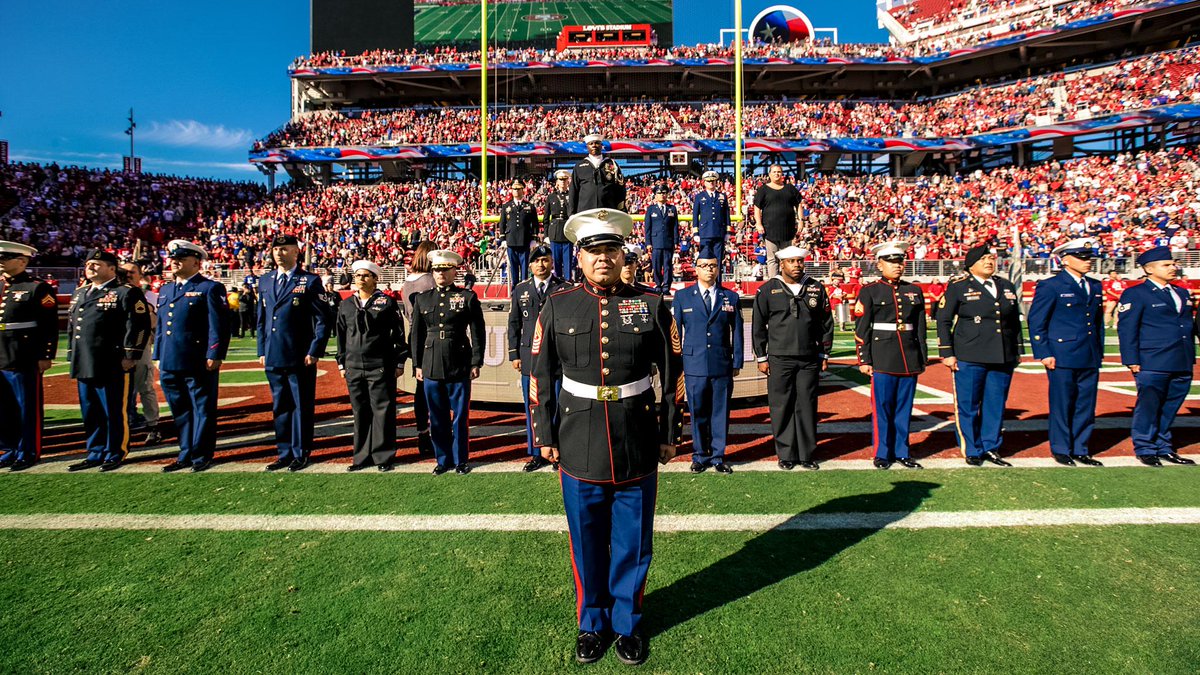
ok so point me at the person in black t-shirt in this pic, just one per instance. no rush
(776, 212)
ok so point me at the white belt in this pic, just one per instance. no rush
(18, 325)
(605, 393)
(900, 327)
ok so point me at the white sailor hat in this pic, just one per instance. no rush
(598, 226)
(444, 259)
(792, 252)
(1076, 247)
(182, 248)
(593, 137)
(368, 266)
(709, 174)
(9, 249)
(562, 173)
(633, 252)
(888, 249)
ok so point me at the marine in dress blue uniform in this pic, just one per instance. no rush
(710, 323)
(528, 298)
(448, 339)
(554, 219)
(294, 322)
(519, 224)
(28, 343)
(194, 328)
(979, 339)
(889, 333)
(710, 220)
(108, 328)
(1066, 330)
(606, 337)
(1157, 330)
(662, 234)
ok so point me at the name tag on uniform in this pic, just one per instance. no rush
(776, 290)
(687, 310)
(193, 294)
(1066, 295)
(1161, 304)
(972, 295)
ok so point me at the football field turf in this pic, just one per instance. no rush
(523, 21)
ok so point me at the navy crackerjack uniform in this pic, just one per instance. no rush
(529, 297)
(28, 334)
(596, 183)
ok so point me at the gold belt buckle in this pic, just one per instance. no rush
(604, 393)
(899, 327)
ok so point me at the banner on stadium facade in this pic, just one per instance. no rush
(3, 152)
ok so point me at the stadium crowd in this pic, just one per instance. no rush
(944, 24)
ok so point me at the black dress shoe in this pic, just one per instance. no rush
(204, 465)
(440, 469)
(534, 464)
(462, 469)
(589, 646)
(632, 650)
(424, 443)
(298, 465)
(909, 463)
(881, 463)
(975, 461)
(175, 466)
(697, 467)
(1087, 460)
(279, 464)
(355, 467)
(386, 466)
(8, 461)
(153, 438)
(1065, 460)
(994, 458)
(85, 464)
(110, 465)
(722, 467)
(1150, 460)
(808, 464)
(786, 465)
(22, 464)
(1171, 457)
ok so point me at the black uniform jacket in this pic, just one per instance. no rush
(606, 337)
(105, 326)
(555, 218)
(523, 316)
(448, 333)
(596, 187)
(371, 337)
(890, 329)
(975, 327)
(800, 325)
(27, 299)
(519, 220)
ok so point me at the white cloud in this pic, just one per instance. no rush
(193, 134)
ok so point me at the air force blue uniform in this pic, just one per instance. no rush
(710, 218)
(662, 233)
(712, 350)
(1161, 339)
(293, 322)
(1066, 322)
(194, 327)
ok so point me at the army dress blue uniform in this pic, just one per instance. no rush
(562, 251)
(711, 326)
(662, 234)
(194, 327)
(980, 325)
(519, 224)
(447, 341)
(28, 334)
(527, 303)
(1066, 322)
(293, 322)
(106, 323)
(889, 334)
(1157, 330)
(710, 218)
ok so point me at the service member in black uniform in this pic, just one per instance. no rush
(194, 327)
(889, 332)
(448, 339)
(528, 298)
(554, 219)
(596, 181)
(792, 333)
(979, 338)
(611, 433)
(108, 327)
(518, 225)
(371, 353)
(28, 343)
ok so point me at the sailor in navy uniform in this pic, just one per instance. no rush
(1066, 330)
(519, 224)
(662, 234)
(28, 343)
(294, 322)
(596, 180)
(1157, 330)
(889, 332)
(554, 219)
(710, 322)
(191, 342)
(448, 340)
(528, 298)
(710, 220)
(979, 339)
(108, 327)
(611, 433)
(792, 334)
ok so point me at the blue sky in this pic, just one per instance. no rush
(207, 78)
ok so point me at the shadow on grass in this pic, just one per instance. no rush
(802, 543)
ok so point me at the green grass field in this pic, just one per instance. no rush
(524, 21)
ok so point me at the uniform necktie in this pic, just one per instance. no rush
(708, 300)
(1083, 284)
(990, 287)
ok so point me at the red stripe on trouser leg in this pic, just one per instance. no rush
(574, 570)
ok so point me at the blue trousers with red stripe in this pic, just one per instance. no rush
(449, 407)
(892, 396)
(612, 532)
(21, 392)
(104, 403)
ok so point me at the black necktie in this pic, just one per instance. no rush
(708, 300)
